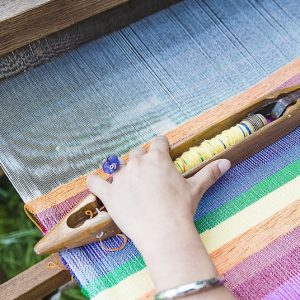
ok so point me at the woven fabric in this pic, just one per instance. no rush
(260, 191)
(247, 221)
(117, 92)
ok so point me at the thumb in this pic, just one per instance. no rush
(98, 186)
(207, 176)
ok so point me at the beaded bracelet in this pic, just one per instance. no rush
(189, 289)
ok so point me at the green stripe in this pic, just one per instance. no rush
(211, 220)
(114, 277)
(247, 198)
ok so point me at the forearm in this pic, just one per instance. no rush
(180, 259)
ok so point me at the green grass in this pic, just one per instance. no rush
(17, 238)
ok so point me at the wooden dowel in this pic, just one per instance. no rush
(37, 46)
(36, 282)
(22, 21)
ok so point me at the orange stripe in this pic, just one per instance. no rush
(180, 133)
(256, 238)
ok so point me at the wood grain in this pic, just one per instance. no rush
(78, 229)
(36, 282)
(42, 50)
(22, 22)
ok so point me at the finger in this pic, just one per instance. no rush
(98, 186)
(206, 177)
(160, 143)
(137, 152)
(121, 167)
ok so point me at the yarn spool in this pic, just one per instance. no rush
(225, 140)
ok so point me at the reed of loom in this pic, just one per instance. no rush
(39, 281)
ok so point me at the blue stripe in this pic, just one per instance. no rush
(247, 128)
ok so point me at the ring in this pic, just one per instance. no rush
(111, 164)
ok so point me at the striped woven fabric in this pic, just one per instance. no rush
(58, 121)
(247, 221)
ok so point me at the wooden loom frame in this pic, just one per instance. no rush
(38, 280)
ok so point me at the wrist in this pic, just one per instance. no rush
(177, 258)
(170, 234)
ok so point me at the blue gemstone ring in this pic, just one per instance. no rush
(111, 164)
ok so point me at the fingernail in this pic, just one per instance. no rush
(224, 165)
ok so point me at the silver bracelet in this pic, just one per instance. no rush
(189, 289)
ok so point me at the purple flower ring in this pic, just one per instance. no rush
(111, 164)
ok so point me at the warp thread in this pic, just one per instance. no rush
(225, 140)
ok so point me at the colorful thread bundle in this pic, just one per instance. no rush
(225, 140)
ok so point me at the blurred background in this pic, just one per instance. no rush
(18, 236)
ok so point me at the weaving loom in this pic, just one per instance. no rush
(59, 119)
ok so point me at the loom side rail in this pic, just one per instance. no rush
(22, 49)
(33, 32)
(35, 282)
(22, 22)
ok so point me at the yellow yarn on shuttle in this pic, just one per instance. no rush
(225, 140)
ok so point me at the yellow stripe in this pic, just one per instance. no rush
(137, 285)
(132, 288)
(252, 215)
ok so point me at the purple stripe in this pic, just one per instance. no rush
(289, 290)
(97, 262)
(267, 256)
(271, 277)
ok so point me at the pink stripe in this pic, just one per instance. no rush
(51, 216)
(289, 290)
(267, 256)
(270, 278)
